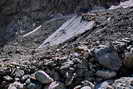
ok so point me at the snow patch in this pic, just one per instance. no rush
(69, 29)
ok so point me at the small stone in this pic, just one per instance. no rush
(25, 77)
(34, 86)
(123, 83)
(105, 85)
(77, 87)
(66, 64)
(106, 74)
(8, 78)
(108, 57)
(70, 78)
(4, 84)
(86, 87)
(16, 85)
(88, 83)
(12, 87)
(75, 54)
(27, 81)
(18, 73)
(81, 49)
(43, 77)
(55, 85)
(17, 79)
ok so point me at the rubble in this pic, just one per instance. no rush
(85, 62)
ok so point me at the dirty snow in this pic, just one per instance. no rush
(69, 29)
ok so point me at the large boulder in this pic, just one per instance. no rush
(107, 57)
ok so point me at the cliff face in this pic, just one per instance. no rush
(21, 16)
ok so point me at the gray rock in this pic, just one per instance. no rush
(12, 87)
(66, 64)
(16, 85)
(27, 81)
(43, 77)
(88, 83)
(17, 79)
(55, 85)
(86, 87)
(18, 73)
(123, 83)
(77, 87)
(106, 74)
(25, 77)
(70, 78)
(34, 86)
(128, 61)
(8, 78)
(105, 85)
(107, 57)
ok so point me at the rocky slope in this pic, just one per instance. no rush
(100, 58)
